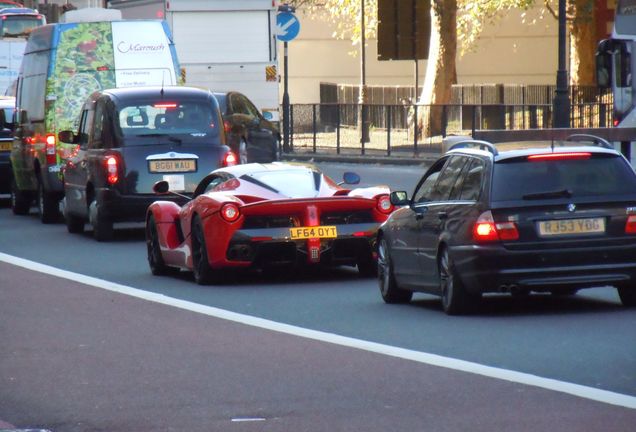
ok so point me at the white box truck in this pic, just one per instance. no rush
(222, 45)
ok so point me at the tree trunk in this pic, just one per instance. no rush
(441, 71)
(582, 43)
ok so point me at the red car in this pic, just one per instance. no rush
(264, 216)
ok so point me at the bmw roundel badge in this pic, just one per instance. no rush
(571, 207)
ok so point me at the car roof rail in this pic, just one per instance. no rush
(481, 145)
(597, 141)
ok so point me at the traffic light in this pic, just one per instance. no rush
(404, 29)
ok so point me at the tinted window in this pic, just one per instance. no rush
(240, 105)
(294, 184)
(441, 190)
(85, 125)
(33, 84)
(471, 187)
(423, 191)
(194, 119)
(13, 25)
(600, 175)
(97, 141)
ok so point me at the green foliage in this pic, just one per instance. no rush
(345, 15)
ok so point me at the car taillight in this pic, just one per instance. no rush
(559, 156)
(486, 229)
(384, 204)
(227, 126)
(229, 159)
(51, 149)
(230, 212)
(630, 225)
(112, 172)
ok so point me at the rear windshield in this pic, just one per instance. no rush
(604, 175)
(294, 184)
(19, 25)
(181, 119)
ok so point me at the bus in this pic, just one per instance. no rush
(19, 22)
(63, 64)
(615, 65)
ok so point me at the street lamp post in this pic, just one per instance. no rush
(561, 103)
(362, 99)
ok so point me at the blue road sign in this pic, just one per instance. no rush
(287, 26)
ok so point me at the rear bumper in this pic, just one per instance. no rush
(273, 246)
(493, 268)
(129, 208)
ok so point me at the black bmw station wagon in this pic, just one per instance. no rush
(514, 218)
(130, 138)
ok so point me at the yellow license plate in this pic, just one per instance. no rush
(300, 233)
(571, 226)
(176, 165)
(5, 146)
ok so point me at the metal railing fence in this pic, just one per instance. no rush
(334, 127)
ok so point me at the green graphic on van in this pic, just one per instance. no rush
(77, 76)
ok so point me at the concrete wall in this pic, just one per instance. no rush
(510, 52)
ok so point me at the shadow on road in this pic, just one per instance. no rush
(501, 305)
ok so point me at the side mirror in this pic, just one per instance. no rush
(66, 137)
(350, 178)
(162, 187)
(399, 198)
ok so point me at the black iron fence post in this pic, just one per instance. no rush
(388, 130)
(338, 130)
(415, 131)
(313, 125)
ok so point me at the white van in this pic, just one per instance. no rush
(63, 65)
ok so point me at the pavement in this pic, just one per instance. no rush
(397, 157)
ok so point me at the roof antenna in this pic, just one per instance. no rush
(163, 77)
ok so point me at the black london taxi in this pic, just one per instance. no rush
(128, 139)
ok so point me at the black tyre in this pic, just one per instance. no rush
(74, 224)
(455, 299)
(155, 259)
(627, 295)
(48, 205)
(389, 289)
(20, 200)
(102, 225)
(203, 273)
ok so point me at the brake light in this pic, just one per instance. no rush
(384, 204)
(630, 225)
(559, 156)
(51, 157)
(165, 105)
(486, 229)
(229, 159)
(230, 212)
(111, 170)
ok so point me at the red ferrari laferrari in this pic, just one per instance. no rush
(263, 216)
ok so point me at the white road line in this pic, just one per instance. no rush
(581, 391)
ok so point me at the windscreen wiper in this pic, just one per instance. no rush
(563, 193)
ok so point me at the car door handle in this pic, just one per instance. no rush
(442, 215)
